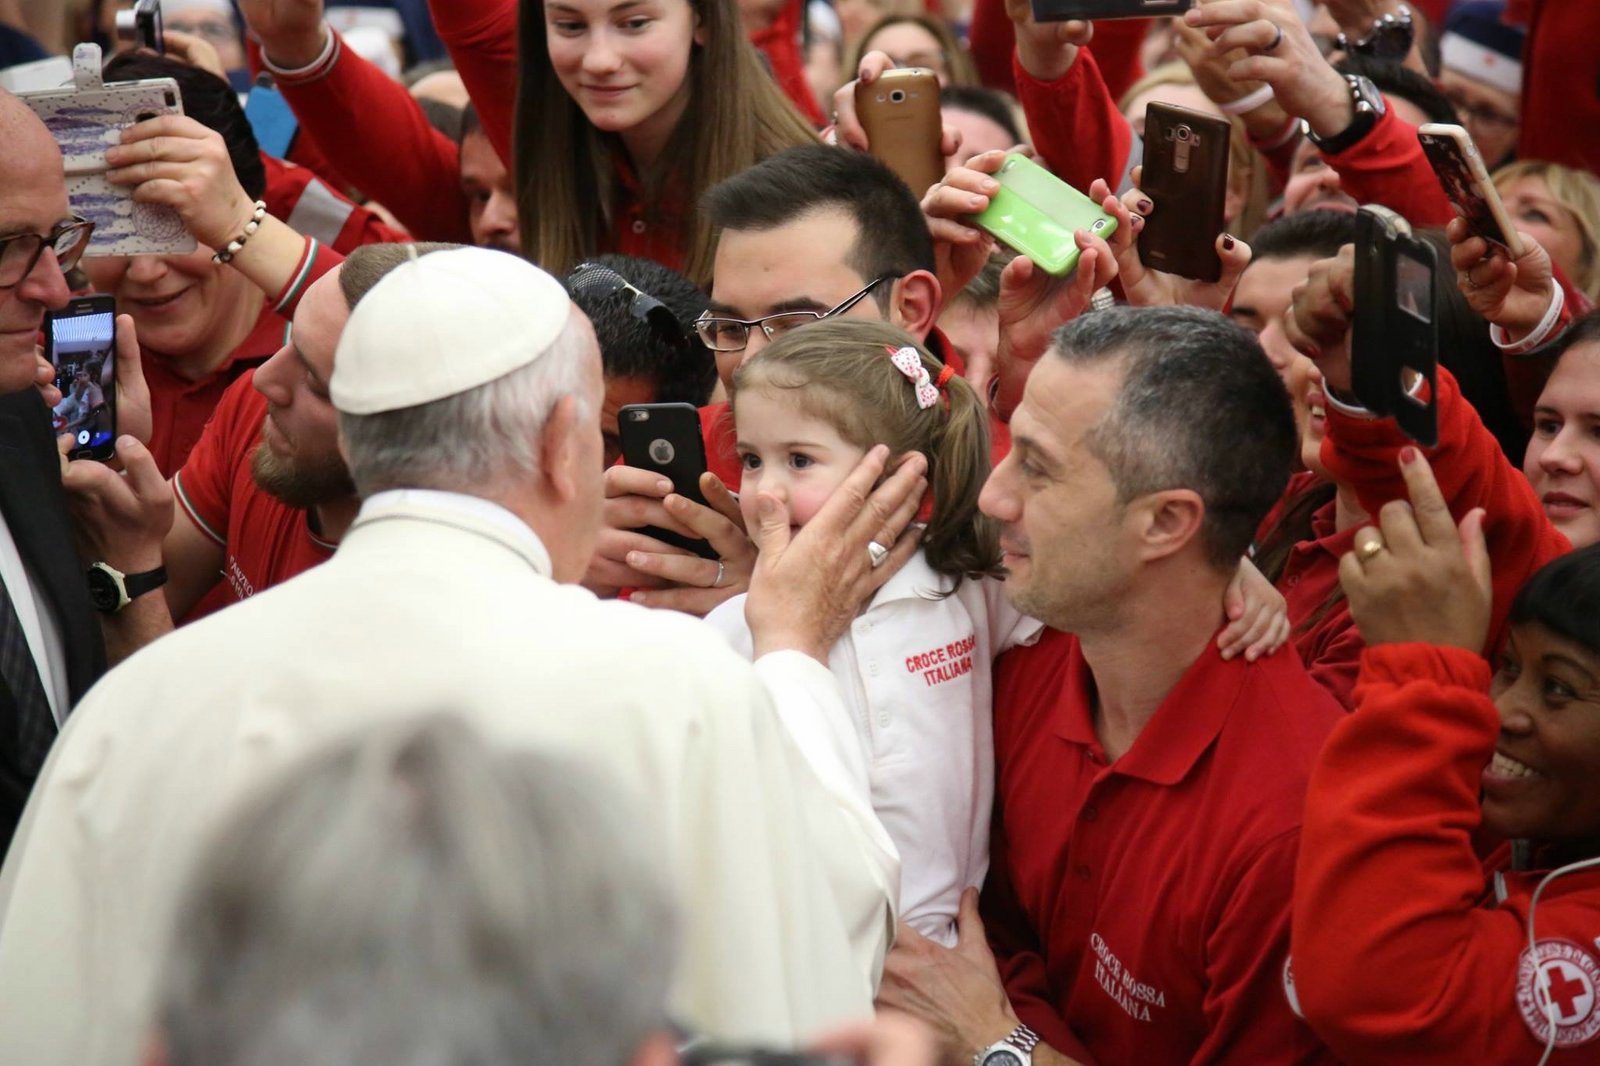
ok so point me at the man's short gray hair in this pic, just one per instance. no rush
(476, 438)
(415, 896)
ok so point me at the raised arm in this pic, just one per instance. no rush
(482, 38)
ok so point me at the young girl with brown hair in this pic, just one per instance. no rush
(915, 666)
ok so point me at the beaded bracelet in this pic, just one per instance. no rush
(227, 254)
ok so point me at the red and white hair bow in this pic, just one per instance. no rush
(909, 362)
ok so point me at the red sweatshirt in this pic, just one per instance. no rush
(1406, 949)
(377, 138)
(1560, 82)
(1472, 472)
(1076, 127)
(1141, 906)
(1330, 647)
(313, 208)
(992, 38)
(780, 43)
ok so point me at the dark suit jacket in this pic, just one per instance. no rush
(33, 506)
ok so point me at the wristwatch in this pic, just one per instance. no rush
(1390, 37)
(1015, 1049)
(1367, 107)
(110, 590)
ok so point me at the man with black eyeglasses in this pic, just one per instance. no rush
(810, 233)
(51, 646)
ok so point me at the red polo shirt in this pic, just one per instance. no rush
(267, 542)
(1142, 905)
(1326, 637)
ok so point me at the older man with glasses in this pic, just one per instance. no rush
(51, 647)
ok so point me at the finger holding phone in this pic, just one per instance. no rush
(847, 127)
(1514, 294)
(1279, 51)
(960, 247)
(1318, 322)
(1046, 50)
(1145, 287)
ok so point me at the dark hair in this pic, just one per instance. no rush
(891, 234)
(1315, 233)
(1564, 597)
(1199, 407)
(1392, 79)
(990, 103)
(983, 291)
(448, 119)
(368, 264)
(630, 347)
(1466, 350)
(1585, 329)
(839, 371)
(208, 100)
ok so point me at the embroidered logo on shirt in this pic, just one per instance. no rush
(1117, 981)
(1570, 992)
(944, 663)
(242, 587)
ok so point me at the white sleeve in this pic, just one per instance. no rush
(728, 619)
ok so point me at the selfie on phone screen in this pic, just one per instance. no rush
(83, 351)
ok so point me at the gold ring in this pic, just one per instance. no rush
(1369, 549)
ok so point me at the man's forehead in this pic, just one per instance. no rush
(807, 257)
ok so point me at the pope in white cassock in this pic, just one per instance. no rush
(469, 391)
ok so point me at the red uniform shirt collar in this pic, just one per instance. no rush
(1178, 734)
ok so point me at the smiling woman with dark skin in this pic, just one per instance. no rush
(1408, 946)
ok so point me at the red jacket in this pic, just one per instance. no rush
(376, 137)
(780, 43)
(1560, 82)
(1076, 127)
(1472, 472)
(993, 39)
(1407, 950)
(1142, 906)
(313, 208)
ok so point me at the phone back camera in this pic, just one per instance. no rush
(662, 452)
(1184, 133)
(897, 97)
(1099, 224)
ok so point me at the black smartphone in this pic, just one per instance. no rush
(665, 438)
(1061, 10)
(1186, 175)
(81, 343)
(1394, 334)
(142, 25)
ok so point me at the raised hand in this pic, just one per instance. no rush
(174, 160)
(1513, 294)
(1420, 577)
(291, 32)
(1318, 322)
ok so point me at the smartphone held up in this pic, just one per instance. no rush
(1186, 175)
(1465, 180)
(899, 113)
(81, 343)
(1036, 213)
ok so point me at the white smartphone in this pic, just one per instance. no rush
(1459, 167)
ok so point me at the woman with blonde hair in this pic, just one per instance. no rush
(623, 115)
(1560, 208)
(918, 40)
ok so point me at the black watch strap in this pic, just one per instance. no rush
(143, 582)
(1367, 107)
(110, 590)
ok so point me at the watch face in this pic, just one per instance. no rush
(1002, 1057)
(103, 592)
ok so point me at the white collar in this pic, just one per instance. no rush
(523, 538)
(915, 580)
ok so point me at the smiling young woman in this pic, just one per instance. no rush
(627, 110)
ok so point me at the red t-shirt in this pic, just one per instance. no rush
(267, 541)
(1142, 906)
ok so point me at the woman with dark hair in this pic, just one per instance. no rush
(1407, 946)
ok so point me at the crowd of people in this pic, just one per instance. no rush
(1045, 670)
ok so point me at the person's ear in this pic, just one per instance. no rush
(916, 302)
(1167, 522)
(559, 457)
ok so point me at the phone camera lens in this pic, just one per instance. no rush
(662, 452)
(1184, 133)
(1099, 224)
(897, 97)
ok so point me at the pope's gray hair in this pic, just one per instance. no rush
(476, 439)
(417, 896)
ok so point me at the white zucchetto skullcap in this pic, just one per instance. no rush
(441, 324)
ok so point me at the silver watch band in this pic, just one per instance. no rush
(1021, 1038)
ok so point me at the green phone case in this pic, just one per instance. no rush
(1036, 212)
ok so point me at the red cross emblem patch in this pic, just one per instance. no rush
(1570, 993)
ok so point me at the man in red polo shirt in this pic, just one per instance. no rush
(1149, 792)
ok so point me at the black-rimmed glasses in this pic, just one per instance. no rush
(732, 334)
(598, 281)
(20, 254)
